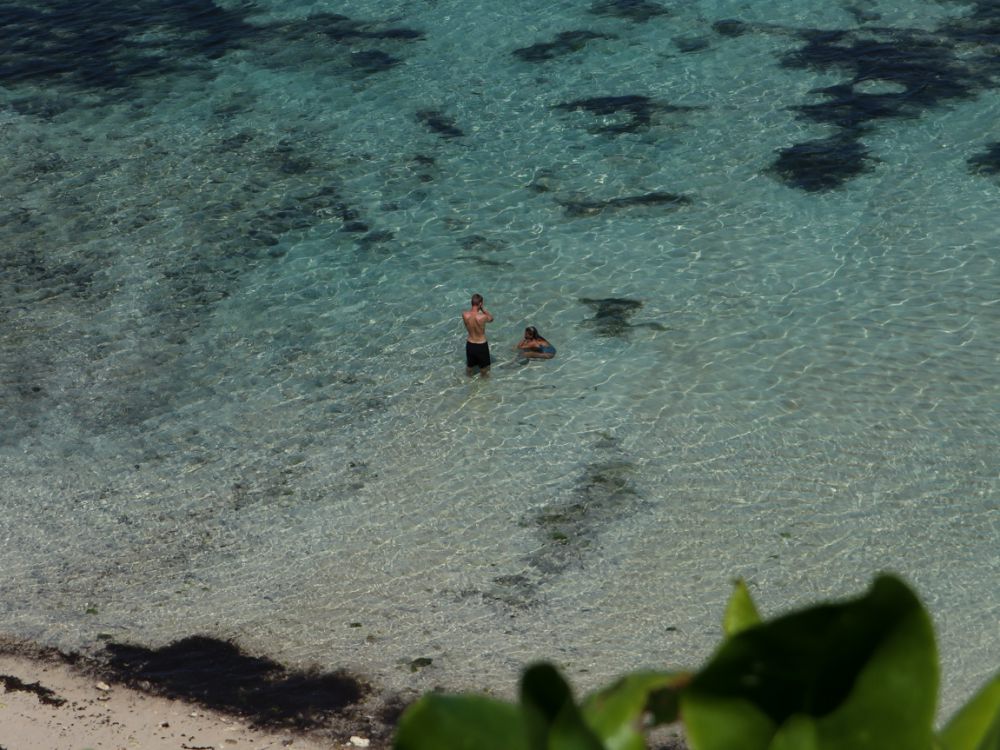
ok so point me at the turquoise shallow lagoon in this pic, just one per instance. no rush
(236, 239)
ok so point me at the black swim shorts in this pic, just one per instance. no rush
(477, 355)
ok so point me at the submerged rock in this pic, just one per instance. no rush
(821, 165)
(637, 11)
(373, 61)
(988, 162)
(564, 43)
(637, 111)
(612, 314)
(730, 27)
(581, 208)
(691, 44)
(440, 123)
(419, 663)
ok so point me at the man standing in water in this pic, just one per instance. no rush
(477, 351)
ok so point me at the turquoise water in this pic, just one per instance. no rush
(237, 240)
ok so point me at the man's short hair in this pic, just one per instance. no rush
(477, 299)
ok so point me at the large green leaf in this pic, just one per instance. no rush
(863, 671)
(552, 718)
(976, 726)
(741, 612)
(892, 702)
(616, 713)
(461, 722)
(797, 733)
(712, 722)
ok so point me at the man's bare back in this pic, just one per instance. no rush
(475, 324)
(477, 351)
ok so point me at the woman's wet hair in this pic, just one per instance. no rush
(532, 331)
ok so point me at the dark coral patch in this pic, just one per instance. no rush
(919, 74)
(479, 243)
(822, 164)
(375, 238)
(637, 11)
(730, 27)
(604, 494)
(424, 168)
(283, 159)
(440, 123)
(486, 261)
(691, 44)
(337, 28)
(987, 163)
(612, 315)
(570, 528)
(94, 44)
(42, 107)
(235, 142)
(925, 70)
(862, 15)
(581, 208)
(24, 266)
(634, 112)
(981, 26)
(847, 108)
(299, 213)
(373, 61)
(100, 45)
(218, 675)
(637, 112)
(564, 44)
(889, 73)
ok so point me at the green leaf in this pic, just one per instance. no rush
(741, 612)
(865, 671)
(461, 722)
(976, 726)
(712, 722)
(892, 703)
(616, 713)
(798, 733)
(551, 715)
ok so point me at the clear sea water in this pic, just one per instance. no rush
(236, 240)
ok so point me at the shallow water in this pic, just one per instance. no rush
(237, 240)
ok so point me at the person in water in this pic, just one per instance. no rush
(533, 346)
(477, 350)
